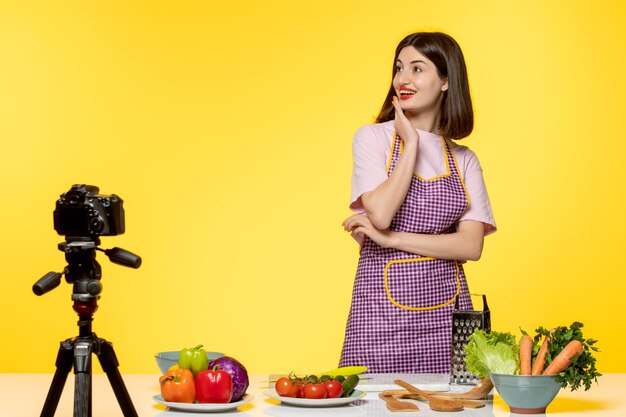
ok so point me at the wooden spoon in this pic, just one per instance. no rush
(478, 392)
(435, 403)
(465, 403)
(393, 404)
(403, 393)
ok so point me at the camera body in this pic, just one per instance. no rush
(82, 212)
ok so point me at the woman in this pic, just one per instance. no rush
(422, 210)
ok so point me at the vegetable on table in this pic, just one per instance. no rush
(238, 373)
(214, 386)
(300, 385)
(315, 391)
(540, 359)
(496, 352)
(349, 385)
(314, 387)
(570, 353)
(285, 387)
(564, 353)
(177, 385)
(525, 354)
(334, 389)
(194, 359)
(582, 368)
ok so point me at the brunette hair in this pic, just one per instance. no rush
(457, 114)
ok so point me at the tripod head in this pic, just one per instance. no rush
(83, 215)
(83, 270)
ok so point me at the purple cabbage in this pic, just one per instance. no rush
(238, 373)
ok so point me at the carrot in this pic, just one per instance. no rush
(540, 360)
(525, 353)
(563, 359)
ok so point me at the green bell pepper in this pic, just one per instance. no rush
(194, 359)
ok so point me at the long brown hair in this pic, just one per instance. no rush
(457, 114)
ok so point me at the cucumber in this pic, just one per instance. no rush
(349, 384)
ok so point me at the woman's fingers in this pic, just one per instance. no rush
(402, 124)
(350, 224)
(396, 105)
(353, 221)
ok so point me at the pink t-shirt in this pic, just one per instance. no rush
(371, 149)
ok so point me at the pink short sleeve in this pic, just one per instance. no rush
(370, 152)
(472, 173)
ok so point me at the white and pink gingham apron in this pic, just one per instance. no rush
(401, 314)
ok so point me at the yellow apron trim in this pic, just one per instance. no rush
(397, 304)
(460, 177)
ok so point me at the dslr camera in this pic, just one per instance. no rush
(82, 212)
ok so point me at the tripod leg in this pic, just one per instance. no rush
(64, 361)
(82, 371)
(109, 363)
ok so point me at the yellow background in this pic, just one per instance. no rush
(227, 131)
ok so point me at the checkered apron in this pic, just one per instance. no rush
(401, 314)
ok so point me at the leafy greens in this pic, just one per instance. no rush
(496, 352)
(583, 370)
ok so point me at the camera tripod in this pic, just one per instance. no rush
(84, 272)
(76, 352)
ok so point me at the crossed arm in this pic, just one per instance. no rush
(465, 244)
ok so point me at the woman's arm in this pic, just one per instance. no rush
(382, 203)
(465, 244)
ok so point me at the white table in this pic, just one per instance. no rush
(23, 395)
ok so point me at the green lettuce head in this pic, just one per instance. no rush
(492, 352)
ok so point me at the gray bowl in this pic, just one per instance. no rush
(526, 394)
(166, 359)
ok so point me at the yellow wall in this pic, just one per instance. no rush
(227, 130)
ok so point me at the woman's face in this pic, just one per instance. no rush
(417, 83)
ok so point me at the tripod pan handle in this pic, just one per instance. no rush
(47, 283)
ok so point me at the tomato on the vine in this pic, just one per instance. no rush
(315, 391)
(333, 389)
(300, 387)
(286, 388)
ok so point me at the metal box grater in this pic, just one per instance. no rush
(464, 322)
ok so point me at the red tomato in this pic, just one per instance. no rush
(300, 386)
(315, 391)
(286, 388)
(333, 389)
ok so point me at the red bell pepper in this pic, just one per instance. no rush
(214, 386)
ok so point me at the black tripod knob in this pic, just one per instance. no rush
(47, 283)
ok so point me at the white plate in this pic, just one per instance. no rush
(308, 402)
(203, 408)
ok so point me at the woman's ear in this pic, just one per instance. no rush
(444, 84)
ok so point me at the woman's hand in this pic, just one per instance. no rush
(403, 125)
(382, 203)
(360, 225)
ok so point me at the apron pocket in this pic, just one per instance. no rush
(422, 283)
